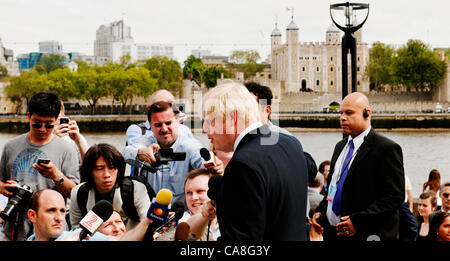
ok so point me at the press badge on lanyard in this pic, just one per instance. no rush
(331, 193)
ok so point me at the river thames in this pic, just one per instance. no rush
(422, 150)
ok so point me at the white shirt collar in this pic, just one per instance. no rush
(245, 132)
(358, 140)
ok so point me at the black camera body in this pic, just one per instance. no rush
(163, 156)
(19, 200)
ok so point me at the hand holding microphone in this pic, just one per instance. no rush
(101, 212)
(210, 161)
(159, 209)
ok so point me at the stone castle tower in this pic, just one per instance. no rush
(301, 66)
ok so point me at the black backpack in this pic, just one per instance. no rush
(126, 193)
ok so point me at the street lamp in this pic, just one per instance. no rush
(348, 24)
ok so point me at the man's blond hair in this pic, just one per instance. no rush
(223, 100)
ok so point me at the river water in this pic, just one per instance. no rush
(422, 150)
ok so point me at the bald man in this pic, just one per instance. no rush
(366, 181)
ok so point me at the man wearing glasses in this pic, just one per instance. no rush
(58, 162)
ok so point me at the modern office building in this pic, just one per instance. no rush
(50, 47)
(114, 41)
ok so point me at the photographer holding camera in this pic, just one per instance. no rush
(33, 161)
(171, 174)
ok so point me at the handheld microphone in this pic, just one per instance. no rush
(208, 157)
(159, 209)
(157, 213)
(178, 208)
(95, 217)
(213, 187)
(182, 232)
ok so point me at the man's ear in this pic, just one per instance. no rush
(32, 216)
(268, 109)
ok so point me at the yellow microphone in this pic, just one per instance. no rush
(159, 209)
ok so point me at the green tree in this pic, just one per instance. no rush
(50, 62)
(137, 82)
(61, 81)
(194, 66)
(245, 61)
(380, 65)
(416, 65)
(3, 72)
(24, 86)
(90, 86)
(211, 74)
(166, 71)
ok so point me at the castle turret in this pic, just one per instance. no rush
(292, 32)
(333, 35)
(293, 83)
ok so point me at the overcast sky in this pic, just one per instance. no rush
(219, 26)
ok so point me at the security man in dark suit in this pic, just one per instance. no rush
(366, 181)
(263, 194)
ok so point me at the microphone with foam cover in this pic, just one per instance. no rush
(208, 157)
(101, 212)
(159, 209)
(157, 213)
(213, 187)
(182, 232)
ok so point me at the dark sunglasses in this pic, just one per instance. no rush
(445, 195)
(39, 125)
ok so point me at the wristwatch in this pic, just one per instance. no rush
(59, 182)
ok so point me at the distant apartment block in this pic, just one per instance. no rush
(114, 41)
(199, 53)
(50, 47)
(106, 35)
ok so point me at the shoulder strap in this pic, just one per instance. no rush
(127, 194)
(82, 198)
(143, 128)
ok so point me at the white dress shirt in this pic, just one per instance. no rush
(357, 142)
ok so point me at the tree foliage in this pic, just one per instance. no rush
(167, 72)
(211, 74)
(193, 65)
(380, 65)
(50, 62)
(3, 72)
(122, 81)
(414, 65)
(245, 61)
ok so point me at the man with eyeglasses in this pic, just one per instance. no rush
(19, 162)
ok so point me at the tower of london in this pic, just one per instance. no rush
(314, 66)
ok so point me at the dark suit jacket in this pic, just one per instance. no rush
(373, 190)
(264, 190)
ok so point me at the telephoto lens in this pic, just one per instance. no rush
(19, 199)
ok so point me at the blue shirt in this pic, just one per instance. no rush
(134, 132)
(96, 237)
(173, 175)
